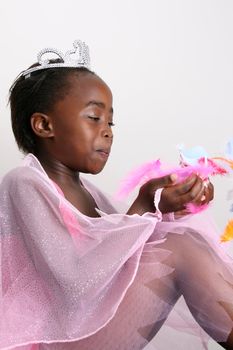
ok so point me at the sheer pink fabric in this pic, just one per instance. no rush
(68, 281)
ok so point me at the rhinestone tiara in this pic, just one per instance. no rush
(77, 58)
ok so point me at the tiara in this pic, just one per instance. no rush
(77, 58)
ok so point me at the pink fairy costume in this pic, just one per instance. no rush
(114, 282)
(69, 281)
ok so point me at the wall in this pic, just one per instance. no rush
(169, 64)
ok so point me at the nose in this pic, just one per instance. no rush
(107, 132)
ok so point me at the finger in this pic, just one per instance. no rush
(186, 185)
(194, 195)
(200, 198)
(163, 181)
(208, 194)
(180, 213)
(205, 197)
(211, 191)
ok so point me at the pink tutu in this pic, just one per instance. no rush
(115, 282)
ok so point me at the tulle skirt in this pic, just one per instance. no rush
(181, 296)
(116, 282)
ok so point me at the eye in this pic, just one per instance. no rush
(94, 117)
(111, 124)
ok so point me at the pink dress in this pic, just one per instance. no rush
(117, 282)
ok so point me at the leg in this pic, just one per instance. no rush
(142, 312)
(183, 264)
(205, 282)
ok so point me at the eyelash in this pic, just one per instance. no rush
(98, 118)
(94, 118)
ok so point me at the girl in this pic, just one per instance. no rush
(75, 273)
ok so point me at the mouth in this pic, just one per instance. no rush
(104, 152)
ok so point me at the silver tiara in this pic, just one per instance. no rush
(76, 58)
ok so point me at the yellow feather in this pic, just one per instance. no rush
(228, 161)
(228, 232)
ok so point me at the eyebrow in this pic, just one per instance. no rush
(98, 104)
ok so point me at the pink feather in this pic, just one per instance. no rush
(138, 176)
(154, 169)
(194, 209)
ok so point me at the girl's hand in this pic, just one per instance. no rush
(145, 199)
(208, 192)
(192, 190)
(206, 198)
(174, 197)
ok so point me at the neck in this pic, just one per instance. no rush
(57, 171)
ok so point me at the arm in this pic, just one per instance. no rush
(174, 197)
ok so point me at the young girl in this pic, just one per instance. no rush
(75, 273)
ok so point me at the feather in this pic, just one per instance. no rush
(155, 169)
(229, 150)
(228, 161)
(194, 209)
(228, 158)
(137, 176)
(190, 156)
(228, 232)
(217, 169)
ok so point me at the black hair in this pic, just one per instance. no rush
(37, 92)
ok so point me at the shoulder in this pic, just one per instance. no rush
(27, 187)
(24, 177)
(17, 175)
(17, 184)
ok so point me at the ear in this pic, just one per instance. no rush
(42, 125)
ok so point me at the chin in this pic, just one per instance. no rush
(96, 171)
(93, 171)
(96, 168)
(93, 168)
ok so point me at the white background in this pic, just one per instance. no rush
(169, 64)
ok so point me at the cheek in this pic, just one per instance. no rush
(64, 124)
(85, 135)
(67, 134)
(75, 137)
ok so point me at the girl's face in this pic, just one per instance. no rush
(82, 125)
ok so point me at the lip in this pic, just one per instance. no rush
(104, 152)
